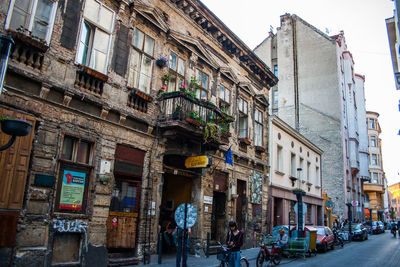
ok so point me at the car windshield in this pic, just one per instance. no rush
(356, 227)
(320, 231)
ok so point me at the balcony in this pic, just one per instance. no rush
(28, 50)
(89, 80)
(184, 115)
(374, 188)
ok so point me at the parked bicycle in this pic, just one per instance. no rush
(223, 257)
(338, 238)
(265, 255)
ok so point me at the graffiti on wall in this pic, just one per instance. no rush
(256, 188)
(71, 226)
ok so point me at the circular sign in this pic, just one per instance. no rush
(114, 221)
(191, 215)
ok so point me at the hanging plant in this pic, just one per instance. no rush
(212, 133)
(161, 62)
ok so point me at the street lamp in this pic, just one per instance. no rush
(299, 195)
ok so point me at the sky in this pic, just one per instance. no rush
(363, 23)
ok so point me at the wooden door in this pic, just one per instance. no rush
(14, 163)
(240, 201)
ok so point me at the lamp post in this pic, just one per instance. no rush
(299, 195)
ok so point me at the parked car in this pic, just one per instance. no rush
(359, 232)
(378, 227)
(367, 225)
(325, 238)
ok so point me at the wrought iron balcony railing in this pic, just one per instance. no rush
(201, 114)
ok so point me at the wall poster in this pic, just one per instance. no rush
(72, 190)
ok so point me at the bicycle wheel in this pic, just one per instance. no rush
(260, 259)
(276, 258)
(244, 262)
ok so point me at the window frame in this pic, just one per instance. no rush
(175, 72)
(96, 27)
(374, 141)
(376, 159)
(371, 121)
(74, 165)
(243, 116)
(279, 158)
(137, 73)
(32, 17)
(199, 86)
(261, 126)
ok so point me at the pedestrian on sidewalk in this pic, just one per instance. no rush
(234, 240)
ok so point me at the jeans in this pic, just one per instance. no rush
(179, 252)
(234, 259)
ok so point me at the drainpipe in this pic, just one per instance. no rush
(295, 75)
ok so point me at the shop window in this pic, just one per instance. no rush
(202, 82)
(125, 196)
(95, 36)
(74, 175)
(35, 16)
(258, 128)
(177, 68)
(141, 63)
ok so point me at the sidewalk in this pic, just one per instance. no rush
(193, 261)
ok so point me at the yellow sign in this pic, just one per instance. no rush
(197, 162)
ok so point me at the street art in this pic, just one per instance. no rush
(71, 226)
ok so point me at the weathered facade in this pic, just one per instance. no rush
(103, 169)
(315, 96)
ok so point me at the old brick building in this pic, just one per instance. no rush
(103, 168)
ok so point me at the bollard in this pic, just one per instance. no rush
(159, 248)
(208, 245)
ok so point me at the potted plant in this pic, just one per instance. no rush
(161, 62)
(244, 140)
(212, 133)
(15, 127)
(166, 78)
(161, 90)
(182, 87)
(194, 118)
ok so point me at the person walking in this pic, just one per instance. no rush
(234, 240)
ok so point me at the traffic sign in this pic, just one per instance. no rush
(354, 203)
(191, 215)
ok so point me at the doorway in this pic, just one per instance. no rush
(218, 217)
(241, 203)
(278, 211)
(176, 191)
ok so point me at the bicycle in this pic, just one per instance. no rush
(264, 255)
(223, 257)
(338, 239)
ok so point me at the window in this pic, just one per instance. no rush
(202, 82)
(258, 128)
(302, 167)
(371, 123)
(276, 70)
(279, 159)
(242, 105)
(308, 171)
(293, 165)
(141, 64)
(177, 68)
(275, 96)
(373, 141)
(309, 214)
(95, 37)
(224, 94)
(374, 159)
(78, 151)
(37, 16)
(74, 175)
(317, 176)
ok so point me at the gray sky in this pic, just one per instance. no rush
(363, 23)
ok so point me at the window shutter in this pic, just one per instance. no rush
(71, 18)
(121, 51)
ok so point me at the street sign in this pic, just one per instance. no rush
(354, 203)
(304, 208)
(329, 204)
(197, 162)
(191, 215)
